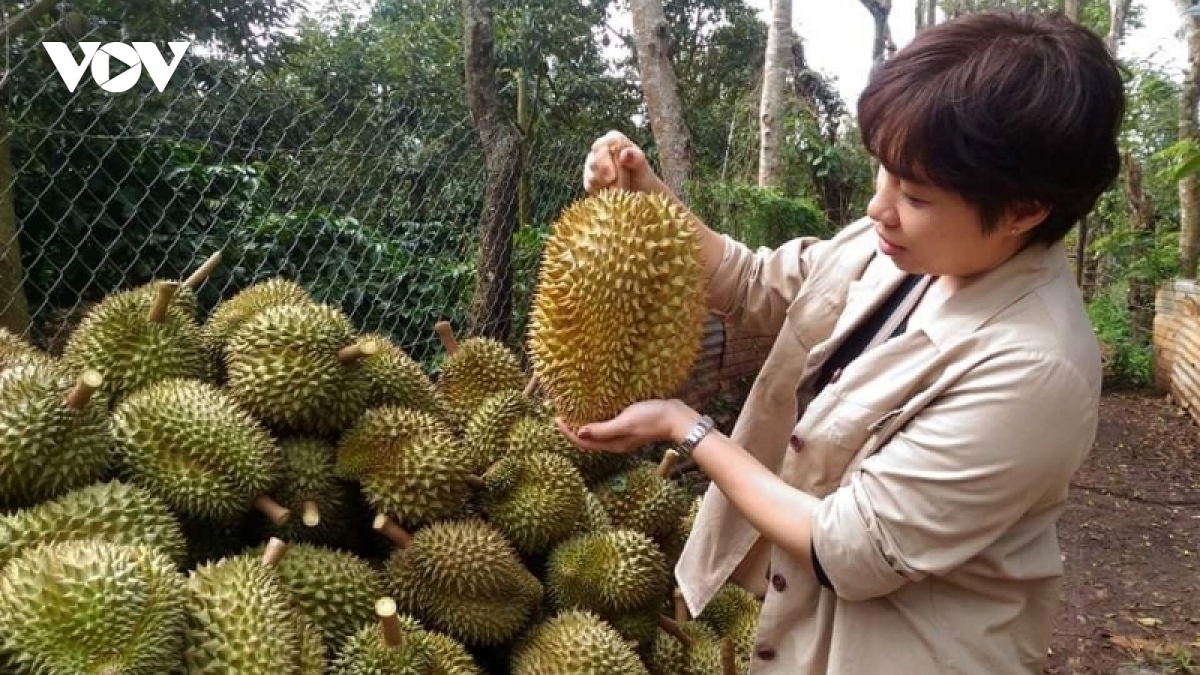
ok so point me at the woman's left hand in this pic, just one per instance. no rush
(638, 425)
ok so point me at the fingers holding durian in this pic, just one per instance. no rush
(616, 161)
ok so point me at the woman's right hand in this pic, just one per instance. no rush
(599, 171)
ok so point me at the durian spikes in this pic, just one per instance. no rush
(446, 334)
(389, 622)
(162, 301)
(310, 514)
(203, 272)
(667, 464)
(273, 552)
(278, 513)
(392, 530)
(88, 383)
(358, 350)
(674, 630)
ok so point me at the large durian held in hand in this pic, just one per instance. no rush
(618, 312)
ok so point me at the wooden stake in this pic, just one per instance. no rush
(446, 335)
(475, 481)
(273, 552)
(203, 271)
(675, 631)
(531, 387)
(728, 664)
(390, 529)
(278, 513)
(393, 635)
(667, 464)
(681, 609)
(310, 514)
(87, 384)
(358, 350)
(162, 301)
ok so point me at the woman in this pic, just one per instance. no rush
(892, 486)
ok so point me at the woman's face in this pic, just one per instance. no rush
(928, 230)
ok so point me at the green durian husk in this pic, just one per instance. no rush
(366, 653)
(540, 434)
(574, 642)
(593, 518)
(118, 339)
(479, 369)
(487, 430)
(535, 500)
(193, 446)
(16, 350)
(282, 365)
(115, 512)
(90, 607)
(232, 312)
(308, 480)
(241, 620)
(639, 499)
(729, 605)
(612, 571)
(669, 656)
(47, 447)
(398, 380)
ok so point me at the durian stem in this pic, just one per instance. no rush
(674, 630)
(278, 513)
(358, 350)
(273, 552)
(162, 301)
(728, 665)
(203, 271)
(531, 387)
(667, 464)
(446, 334)
(475, 481)
(310, 513)
(390, 529)
(87, 384)
(393, 634)
(681, 609)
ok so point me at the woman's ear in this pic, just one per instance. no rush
(1022, 217)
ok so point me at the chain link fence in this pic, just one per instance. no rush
(370, 203)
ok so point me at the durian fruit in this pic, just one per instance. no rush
(15, 350)
(540, 434)
(54, 432)
(534, 500)
(189, 443)
(689, 648)
(462, 578)
(733, 612)
(398, 380)
(409, 464)
(231, 313)
(607, 572)
(116, 512)
(575, 642)
(241, 620)
(135, 338)
(297, 368)
(617, 316)
(386, 648)
(488, 429)
(334, 589)
(90, 607)
(594, 517)
(185, 296)
(641, 499)
(310, 489)
(473, 370)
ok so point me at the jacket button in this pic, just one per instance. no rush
(797, 443)
(765, 653)
(778, 582)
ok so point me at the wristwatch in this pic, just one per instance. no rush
(694, 436)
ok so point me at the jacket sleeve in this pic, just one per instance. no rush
(962, 473)
(752, 289)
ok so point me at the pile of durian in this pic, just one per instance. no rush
(267, 490)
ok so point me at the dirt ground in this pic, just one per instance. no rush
(1131, 540)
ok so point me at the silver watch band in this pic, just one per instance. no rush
(694, 436)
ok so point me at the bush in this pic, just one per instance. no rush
(756, 216)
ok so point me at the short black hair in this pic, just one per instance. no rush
(1005, 109)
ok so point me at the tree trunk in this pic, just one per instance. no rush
(771, 109)
(1189, 197)
(883, 47)
(491, 306)
(1141, 290)
(1116, 24)
(661, 91)
(14, 307)
(1071, 9)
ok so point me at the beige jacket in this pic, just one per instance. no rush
(942, 458)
